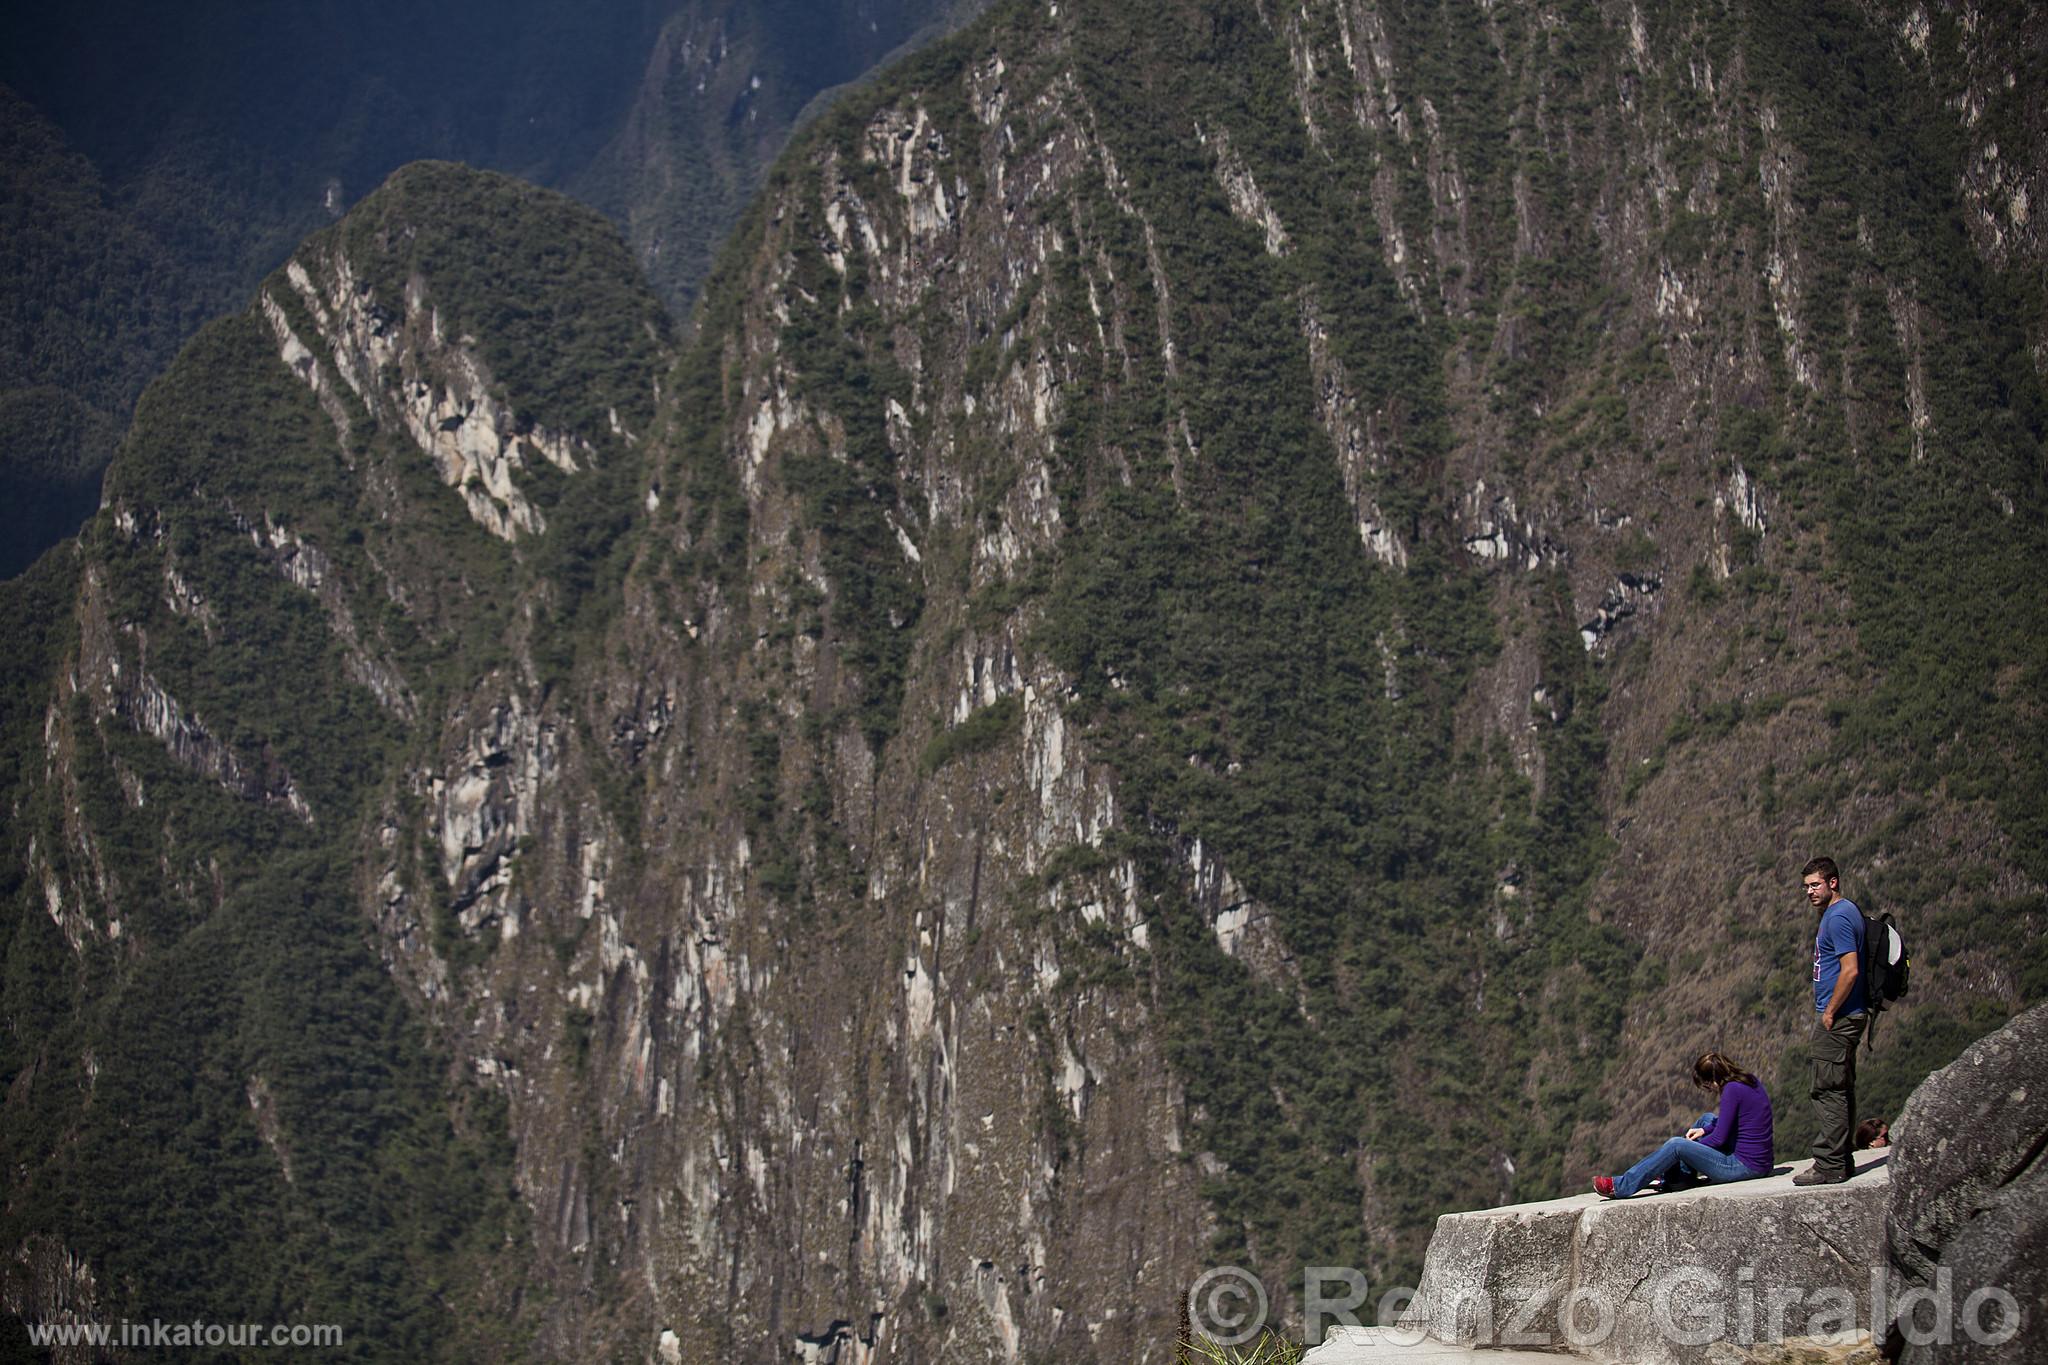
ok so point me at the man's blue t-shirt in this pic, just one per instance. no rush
(1841, 931)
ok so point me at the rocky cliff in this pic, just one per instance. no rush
(1228, 630)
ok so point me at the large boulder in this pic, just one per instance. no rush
(1966, 1230)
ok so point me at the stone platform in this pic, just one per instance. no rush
(1665, 1279)
(1378, 1345)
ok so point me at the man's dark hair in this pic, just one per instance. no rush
(1825, 866)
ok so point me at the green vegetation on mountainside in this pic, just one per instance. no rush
(1934, 519)
(571, 337)
(1449, 995)
(851, 494)
(37, 607)
(1253, 678)
(90, 309)
(210, 462)
(256, 1059)
(203, 146)
(1941, 554)
(545, 287)
(1258, 683)
(1233, 619)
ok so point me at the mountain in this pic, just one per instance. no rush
(1228, 630)
(723, 86)
(163, 159)
(91, 309)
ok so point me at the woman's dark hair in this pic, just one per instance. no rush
(1712, 1071)
(1867, 1131)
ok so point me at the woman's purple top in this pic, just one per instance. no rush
(1742, 1128)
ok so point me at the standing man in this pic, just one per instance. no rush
(1838, 999)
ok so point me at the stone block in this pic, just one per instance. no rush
(1659, 1279)
(1491, 1277)
(1670, 1277)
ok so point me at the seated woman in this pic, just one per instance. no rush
(1732, 1143)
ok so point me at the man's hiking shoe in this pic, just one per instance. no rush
(1817, 1176)
(1603, 1185)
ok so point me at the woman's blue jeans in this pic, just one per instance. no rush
(1718, 1167)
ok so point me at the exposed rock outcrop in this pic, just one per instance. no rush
(443, 398)
(43, 1281)
(1969, 1205)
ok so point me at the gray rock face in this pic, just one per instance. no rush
(1967, 1229)
(1675, 1278)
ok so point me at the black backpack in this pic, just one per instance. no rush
(1886, 966)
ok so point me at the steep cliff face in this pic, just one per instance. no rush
(1228, 633)
(280, 684)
